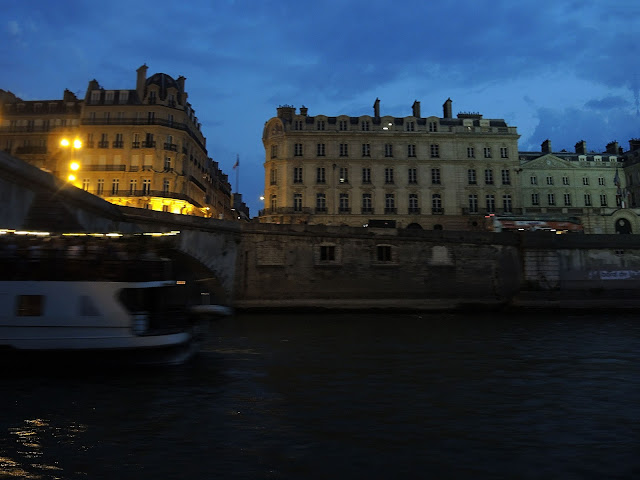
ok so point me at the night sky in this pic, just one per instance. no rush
(563, 70)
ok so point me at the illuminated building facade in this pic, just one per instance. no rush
(417, 172)
(141, 147)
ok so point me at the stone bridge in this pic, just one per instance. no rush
(258, 266)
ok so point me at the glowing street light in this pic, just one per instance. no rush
(73, 165)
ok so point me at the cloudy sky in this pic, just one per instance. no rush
(559, 69)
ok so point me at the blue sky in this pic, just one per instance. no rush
(559, 69)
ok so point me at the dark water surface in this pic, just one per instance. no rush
(346, 396)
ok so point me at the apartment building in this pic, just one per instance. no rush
(140, 147)
(379, 170)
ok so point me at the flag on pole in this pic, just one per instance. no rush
(237, 164)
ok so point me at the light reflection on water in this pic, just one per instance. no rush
(347, 396)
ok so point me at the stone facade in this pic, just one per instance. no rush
(424, 172)
(141, 147)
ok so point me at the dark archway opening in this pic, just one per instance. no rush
(414, 226)
(623, 226)
(437, 226)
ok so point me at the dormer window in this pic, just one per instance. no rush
(108, 97)
(123, 97)
(152, 98)
(95, 97)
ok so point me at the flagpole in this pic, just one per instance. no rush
(237, 167)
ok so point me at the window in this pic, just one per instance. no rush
(274, 151)
(435, 176)
(471, 152)
(551, 199)
(151, 116)
(413, 203)
(534, 180)
(388, 150)
(389, 203)
(603, 200)
(115, 186)
(297, 202)
(436, 203)
(133, 186)
(365, 125)
(413, 175)
(146, 186)
(149, 142)
(273, 176)
(411, 126)
(488, 177)
(383, 253)
(367, 205)
(95, 97)
(344, 203)
(274, 202)
(123, 98)
(166, 186)
(600, 180)
(473, 203)
(506, 177)
(320, 150)
(104, 141)
(411, 150)
(167, 164)
(30, 305)
(321, 202)
(320, 124)
(567, 199)
(152, 97)
(344, 175)
(327, 253)
(433, 126)
(297, 149)
(320, 176)
(549, 180)
(585, 180)
(487, 152)
(118, 142)
(435, 150)
(535, 199)
(506, 203)
(297, 125)
(85, 184)
(344, 150)
(504, 152)
(366, 175)
(100, 188)
(565, 180)
(587, 199)
(366, 149)
(471, 176)
(490, 203)
(342, 125)
(297, 174)
(388, 175)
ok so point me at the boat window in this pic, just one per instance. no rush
(30, 305)
(87, 307)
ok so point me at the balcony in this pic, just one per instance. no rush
(118, 144)
(149, 144)
(89, 144)
(437, 211)
(414, 211)
(390, 210)
(344, 210)
(103, 144)
(171, 146)
(364, 210)
(135, 144)
(31, 149)
(104, 168)
(321, 209)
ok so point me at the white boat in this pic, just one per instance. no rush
(66, 310)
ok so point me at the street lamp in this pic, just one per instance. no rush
(73, 165)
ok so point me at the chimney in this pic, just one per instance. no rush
(141, 80)
(376, 108)
(286, 112)
(581, 147)
(180, 83)
(447, 108)
(613, 148)
(546, 146)
(69, 96)
(416, 109)
(303, 111)
(634, 144)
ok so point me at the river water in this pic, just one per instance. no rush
(302, 396)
